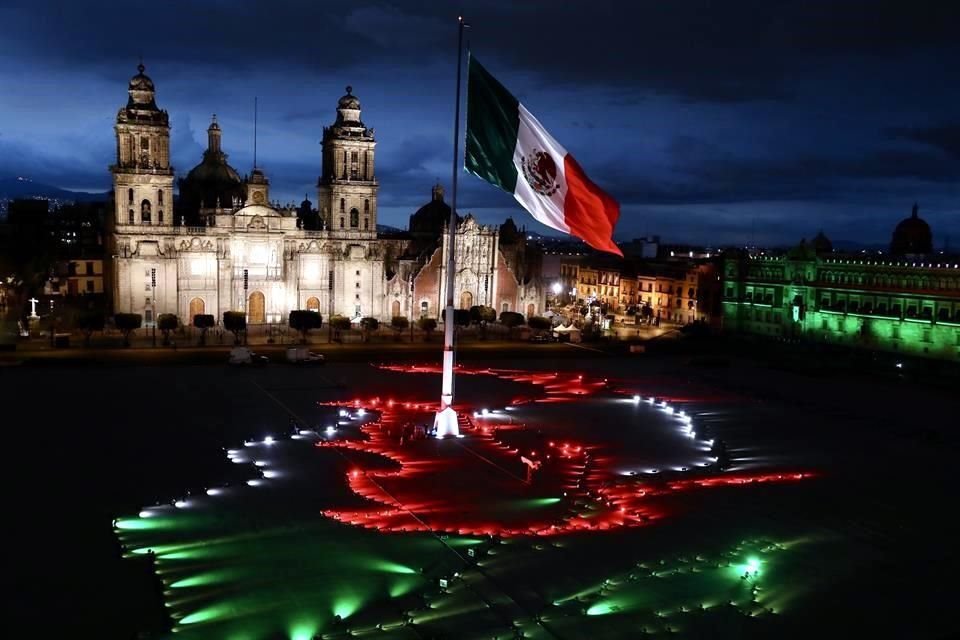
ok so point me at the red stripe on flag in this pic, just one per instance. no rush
(590, 213)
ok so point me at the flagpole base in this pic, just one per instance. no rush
(445, 423)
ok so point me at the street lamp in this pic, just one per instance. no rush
(556, 288)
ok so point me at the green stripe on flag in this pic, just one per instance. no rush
(493, 118)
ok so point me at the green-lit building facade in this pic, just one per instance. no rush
(907, 303)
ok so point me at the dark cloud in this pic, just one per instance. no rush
(945, 137)
(689, 106)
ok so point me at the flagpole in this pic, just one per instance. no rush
(446, 419)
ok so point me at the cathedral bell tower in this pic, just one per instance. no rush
(142, 175)
(347, 188)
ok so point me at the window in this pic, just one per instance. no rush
(356, 311)
(130, 217)
(424, 308)
(145, 212)
(160, 216)
(354, 165)
(160, 197)
(148, 315)
(343, 206)
(341, 222)
(89, 268)
(146, 287)
(130, 196)
(358, 285)
(366, 206)
(354, 218)
(89, 286)
(145, 144)
(358, 271)
(366, 224)
(505, 307)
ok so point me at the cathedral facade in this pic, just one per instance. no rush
(225, 246)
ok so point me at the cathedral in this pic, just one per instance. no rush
(223, 245)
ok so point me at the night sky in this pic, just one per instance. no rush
(711, 122)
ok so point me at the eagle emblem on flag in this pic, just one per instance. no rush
(540, 172)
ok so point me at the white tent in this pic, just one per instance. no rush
(570, 331)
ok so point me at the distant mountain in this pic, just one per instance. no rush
(19, 187)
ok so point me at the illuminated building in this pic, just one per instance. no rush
(229, 248)
(903, 301)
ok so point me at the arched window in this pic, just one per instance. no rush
(366, 206)
(343, 205)
(424, 308)
(354, 218)
(341, 222)
(145, 212)
(130, 217)
(160, 216)
(160, 197)
(130, 196)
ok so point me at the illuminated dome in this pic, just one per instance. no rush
(912, 236)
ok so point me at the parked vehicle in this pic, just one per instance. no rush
(244, 356)
(301, 355)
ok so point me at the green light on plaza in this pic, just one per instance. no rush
(304, 629)
(206, 615)
(603, 608)
(346, 606)
(390, 567)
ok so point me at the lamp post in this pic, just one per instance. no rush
(246, 283)
(153, 300)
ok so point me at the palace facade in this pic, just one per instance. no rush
(224, 245)
(906, 300)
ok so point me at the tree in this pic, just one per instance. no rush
(127, 323)
(88, 322)
(167, 322)
(481, 315)
(428, 326)
(303, 320)
(510, 319)
(236, 323)
(368, 325)
(539, 323)
(399, 324)
(203, 322)
(339, 323)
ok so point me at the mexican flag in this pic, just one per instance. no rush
(508, 147)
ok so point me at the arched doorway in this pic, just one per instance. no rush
(255, 308)
(531, 310)
(313, 304)
(395, 311)
(466, 300)
(196, 309)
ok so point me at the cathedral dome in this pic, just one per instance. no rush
(430, 218)
(912, 236)
(213, 182)
(821, 243)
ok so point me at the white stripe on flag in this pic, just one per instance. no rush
(533, 138)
